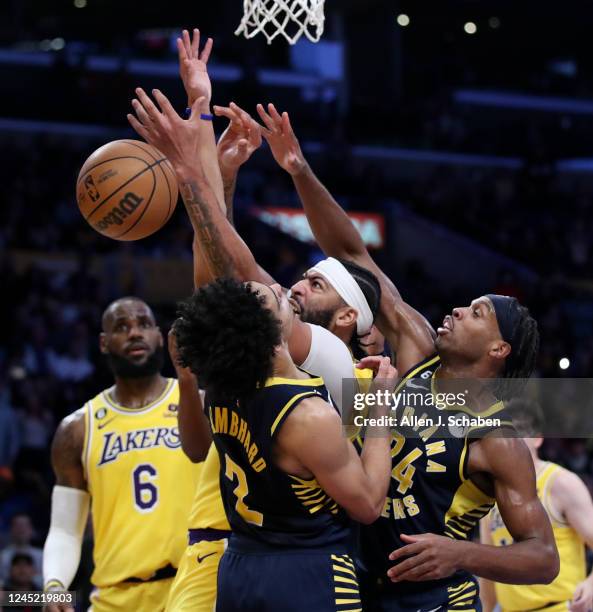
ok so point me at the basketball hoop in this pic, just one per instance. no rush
(291, 18)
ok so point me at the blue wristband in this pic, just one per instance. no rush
(203, 116)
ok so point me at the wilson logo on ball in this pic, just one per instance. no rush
(127, 205)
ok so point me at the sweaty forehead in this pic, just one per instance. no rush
(126, 309)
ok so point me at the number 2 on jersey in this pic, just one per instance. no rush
(241, 491)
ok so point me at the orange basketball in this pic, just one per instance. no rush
(126, 190)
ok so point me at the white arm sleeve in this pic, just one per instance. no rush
(61, 553)
(329, 358)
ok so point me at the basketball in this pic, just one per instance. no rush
(126, 190)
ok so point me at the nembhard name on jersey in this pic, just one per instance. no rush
(115, 444)
(236, 427)
(457, 420)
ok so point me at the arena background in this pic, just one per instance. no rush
(465, 128)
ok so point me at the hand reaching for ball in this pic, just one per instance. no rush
(161, 126)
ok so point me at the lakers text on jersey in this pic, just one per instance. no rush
(141, 485)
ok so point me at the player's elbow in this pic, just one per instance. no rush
(550, 563)
(195, 453)
(366, 512)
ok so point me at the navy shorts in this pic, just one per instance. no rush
(294, 580)
(455, 593)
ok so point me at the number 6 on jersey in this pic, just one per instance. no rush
(146, 495)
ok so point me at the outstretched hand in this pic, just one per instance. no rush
(193, 66)
(241, 138)
(163, 128)
(283, 143)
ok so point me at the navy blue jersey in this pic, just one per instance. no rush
(261, 501)
(429, 491)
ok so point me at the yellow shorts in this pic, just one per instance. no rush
(194, 587)
(149, 596)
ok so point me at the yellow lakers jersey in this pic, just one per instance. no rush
(207, 509)
(141, 485)
(571, 550)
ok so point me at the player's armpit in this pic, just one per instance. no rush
(533, 557)
(312, 438)
(66, 451)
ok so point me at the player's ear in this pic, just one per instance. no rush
(103, 343)
(500, 349)
(345, 317)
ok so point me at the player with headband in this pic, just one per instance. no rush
(219, 252)
(418, 555)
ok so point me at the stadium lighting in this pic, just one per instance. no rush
(564, 363)
(79, 3)
(403, 20)
(494, 22)
(470, 27)
(45, 44)
(57, 44)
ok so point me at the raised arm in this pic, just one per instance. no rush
(406, 330)
(180, 141)
(531, 559)
(194, 429)
(313, 436)
(69, 510)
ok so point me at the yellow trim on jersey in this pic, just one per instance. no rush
(287, 407)
(413, 372)
(545, 480)
(305, 382)
(170, 383)
(86, 445)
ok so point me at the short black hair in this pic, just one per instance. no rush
(528, 417)
(371, 289)
(227, 337)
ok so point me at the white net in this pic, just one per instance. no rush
(290, 18)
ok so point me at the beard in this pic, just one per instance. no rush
(317, 317)
(124, 368)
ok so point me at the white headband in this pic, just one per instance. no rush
(347, 288)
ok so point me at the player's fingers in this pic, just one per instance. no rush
(371, 361)
(223, 111)
(148, 104)
(195, 44)
(138, 127)
(286, 126)
(187, 44)
(274, 114)
(406, 551)
(406, 566)
(207, 50)
(181, 52)
(266, 118)
(164, 104)
(418, 574)
(141, 113)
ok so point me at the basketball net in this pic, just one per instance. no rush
(291, 18)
